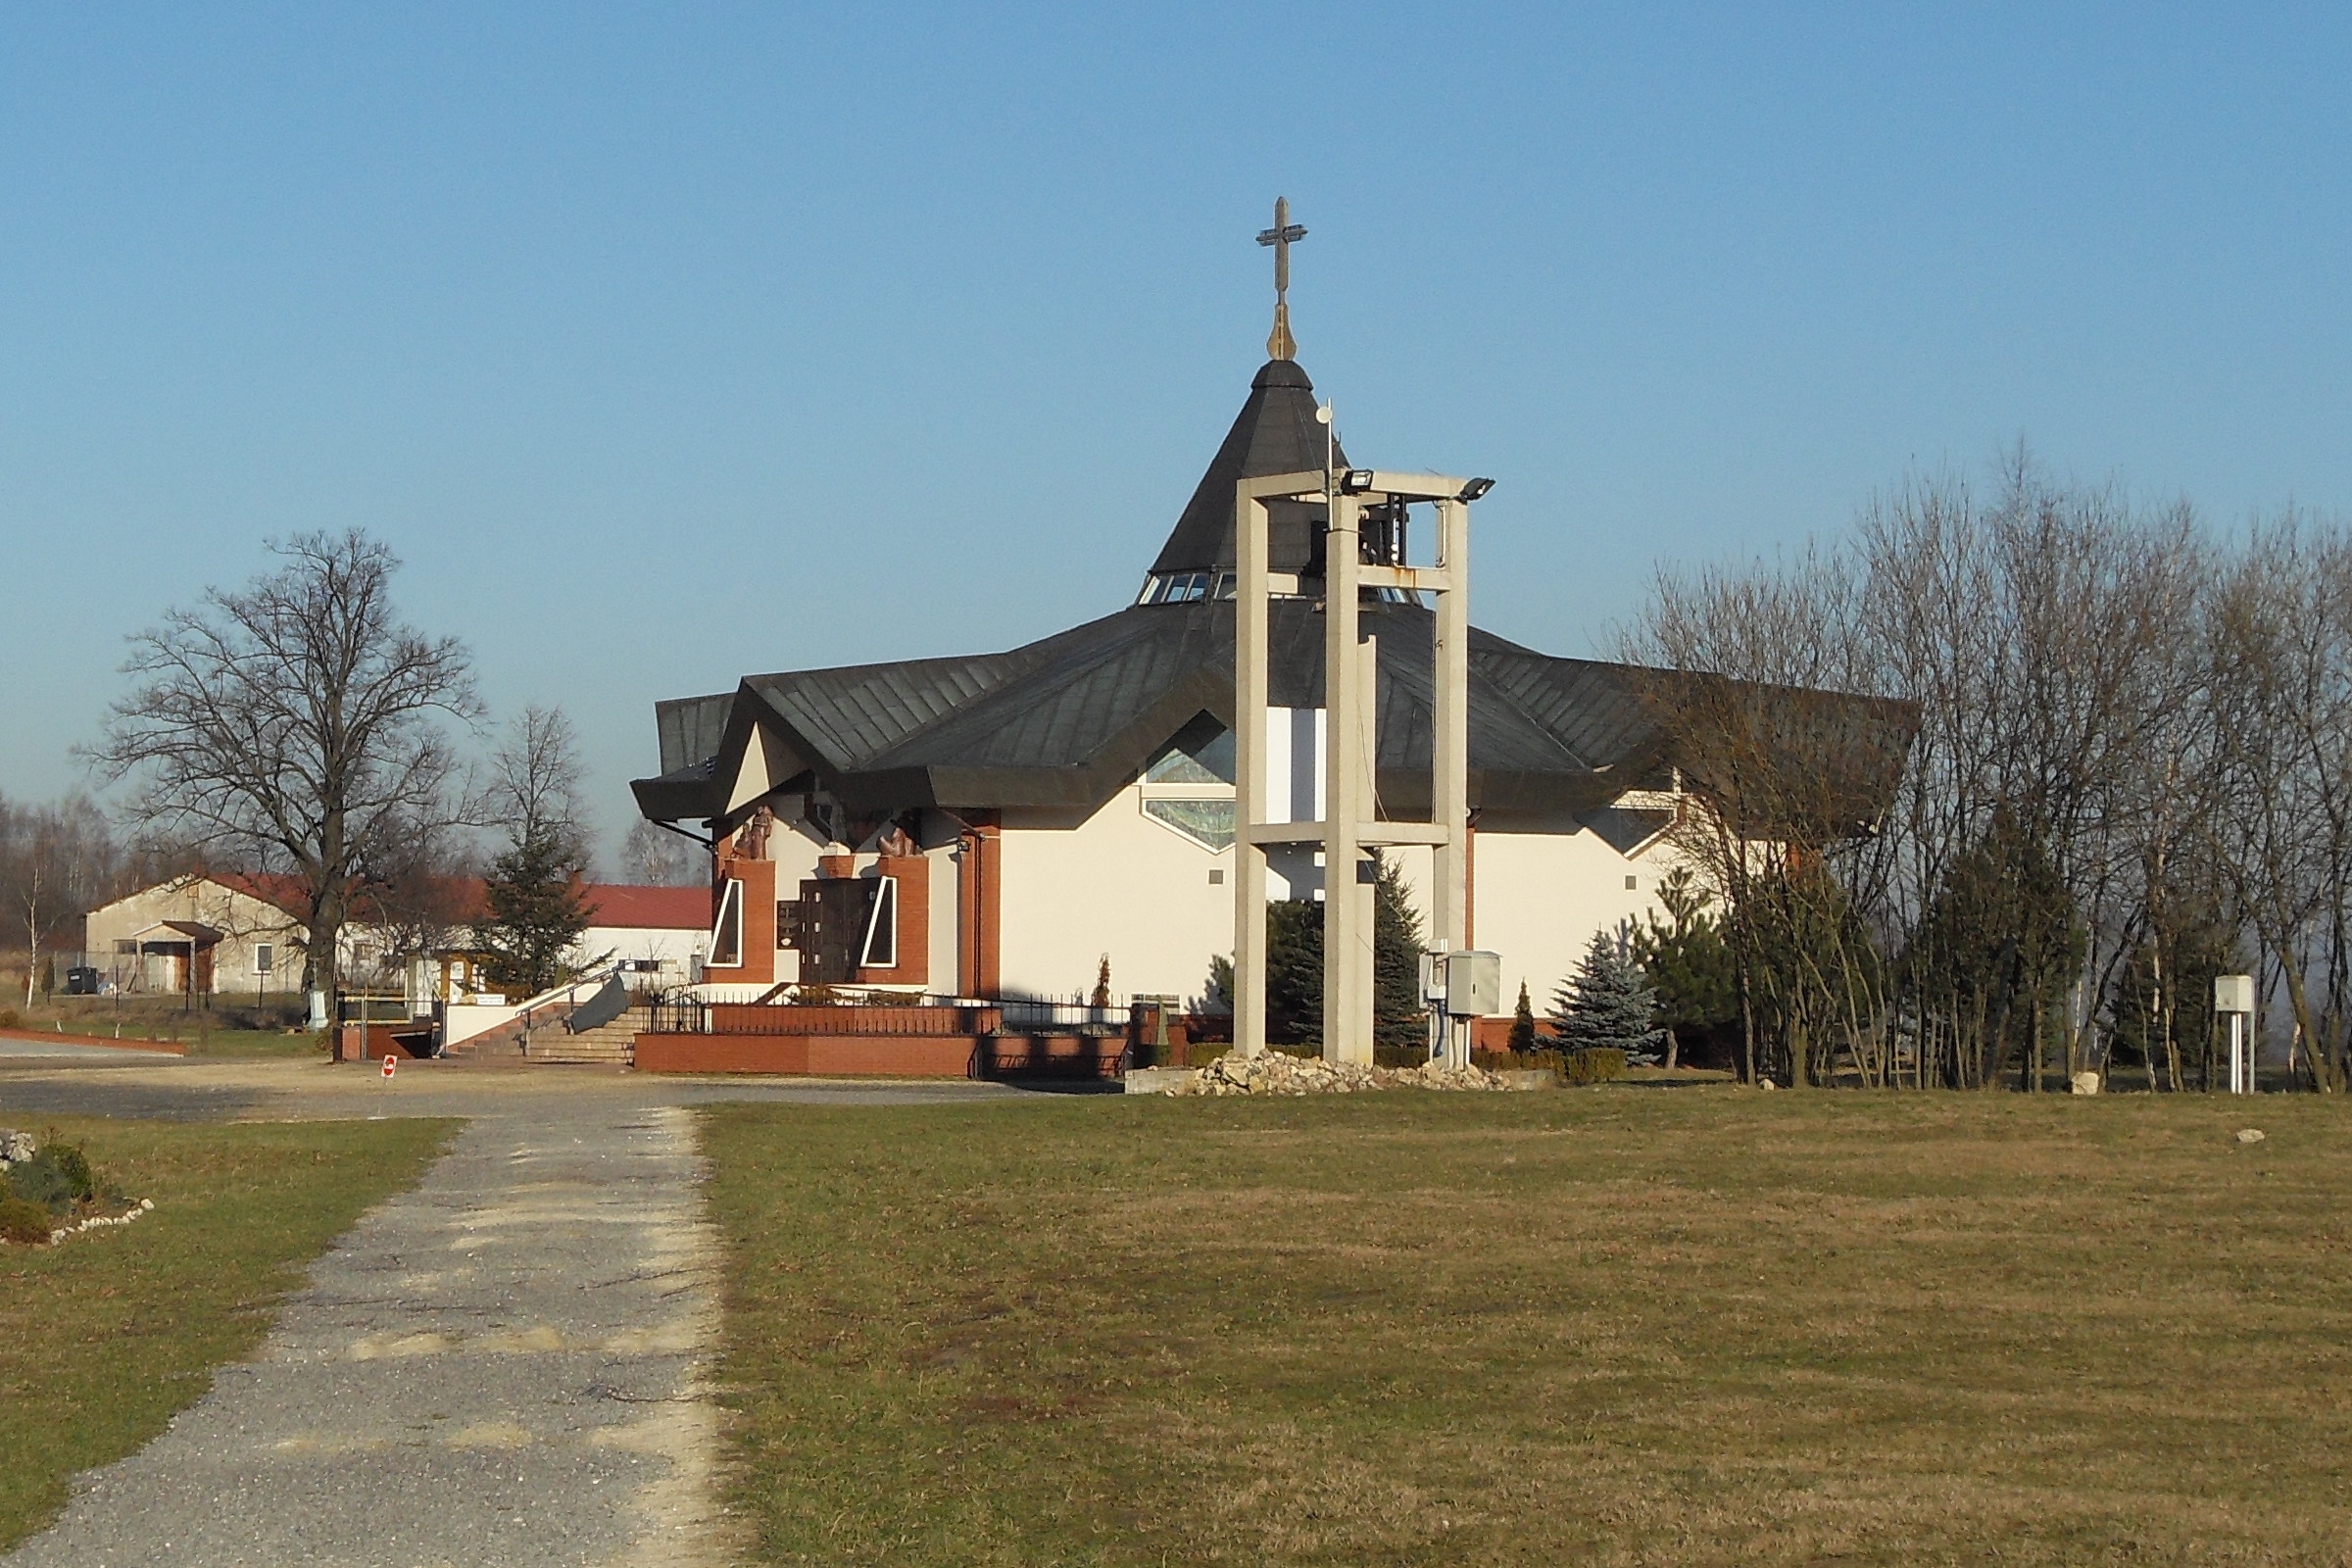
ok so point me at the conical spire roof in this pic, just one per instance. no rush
(1276, 432)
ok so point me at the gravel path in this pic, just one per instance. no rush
(500, 1368)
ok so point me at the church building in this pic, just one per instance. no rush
(996, 825)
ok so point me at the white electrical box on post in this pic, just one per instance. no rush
(2233, 998)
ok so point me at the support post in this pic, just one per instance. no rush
(1251, 791)
(1359, 998)
(1449, 732)
(1346, 937)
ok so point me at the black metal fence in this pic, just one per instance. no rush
(680, 1012)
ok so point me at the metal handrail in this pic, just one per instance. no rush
(569, 993)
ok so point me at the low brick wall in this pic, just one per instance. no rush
(826, 1055)
(402, 1040)
(735, 1018)
(1495, 1034)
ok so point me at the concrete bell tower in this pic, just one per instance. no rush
(1351, 823)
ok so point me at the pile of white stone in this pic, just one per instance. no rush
(15, 1147)
(1274, 1073)
(98, 1221)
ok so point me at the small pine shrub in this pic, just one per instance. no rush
(10, 1018)
(54, 1179)
(26, 1224)
(74, 1167)
(1523, 1024)
(1594, 1066)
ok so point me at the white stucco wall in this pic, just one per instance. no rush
(1124, 884)
(1119, 883)
(1541, 896)
(941, 861)
(675, 950)
(794, 850)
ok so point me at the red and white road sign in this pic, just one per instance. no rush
(389, 1059)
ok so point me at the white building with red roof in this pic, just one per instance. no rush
(237, 932)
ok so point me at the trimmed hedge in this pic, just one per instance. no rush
(1594, 1066)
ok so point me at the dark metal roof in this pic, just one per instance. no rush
(844, 715)
(1067, 721)
(691, 728)
(1276, 432)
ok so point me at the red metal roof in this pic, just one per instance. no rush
(648, 909)
(610, 903)
(273, 888)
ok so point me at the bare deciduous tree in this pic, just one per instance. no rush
(535, 779)
(536, 906)
(57, 863)
(296, 724)
(2127, 749)
(654, 858)
(2280, 640)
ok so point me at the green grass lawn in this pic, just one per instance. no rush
(112, 1333)
(203, 1032)
(255, 1043)
(1613, 1327)
(199, 1038)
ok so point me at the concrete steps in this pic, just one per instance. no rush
(500, 1046)
(612, 1045)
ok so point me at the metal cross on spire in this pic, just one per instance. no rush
(1279, 343)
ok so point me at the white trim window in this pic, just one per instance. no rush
(1192, 793)
(726, 932)
(880, 948)
(264, 957)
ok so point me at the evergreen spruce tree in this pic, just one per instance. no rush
(1607, 1005)
(536, 912)
(1691, 963)
(1399, 1019)
(537, 909)
(1295, 968)
(1294, 973)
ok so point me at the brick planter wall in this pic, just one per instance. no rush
(833, 1019)
(869, 1056)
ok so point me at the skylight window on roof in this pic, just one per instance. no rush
(1185, 587)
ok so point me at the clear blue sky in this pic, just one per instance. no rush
(672, 343)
